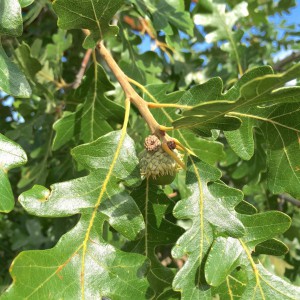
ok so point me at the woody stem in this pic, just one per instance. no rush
(129, 91)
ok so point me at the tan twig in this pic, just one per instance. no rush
(81, 72)
(129, 91)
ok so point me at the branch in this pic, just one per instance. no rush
(81, 72)
(139, 102)
(129, 91)
(293, 201)
(295, 56)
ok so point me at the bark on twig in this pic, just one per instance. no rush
(295, 56)
(129, 91)
(291, 200)
(81, 72)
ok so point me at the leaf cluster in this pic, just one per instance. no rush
(78, 221)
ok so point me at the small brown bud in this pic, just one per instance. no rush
(171, 144)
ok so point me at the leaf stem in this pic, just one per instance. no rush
(253, 266)
(101, 195)
(155, 104)
(173, 155)
(171, 105)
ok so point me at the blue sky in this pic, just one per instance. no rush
(292, 18)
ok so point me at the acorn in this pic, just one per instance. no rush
(157, 165)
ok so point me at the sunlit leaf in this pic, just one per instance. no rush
(110, 159)
(107, 271)
(12, 80)
(208, 207)
(93, 15)
(11, 156)
(11, 22)
(89, 121)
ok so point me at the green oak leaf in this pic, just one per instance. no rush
(228, 254)
(58, 272)
(89, 121)
(159, 232)
(258, 100)
(224, 22)
(11, 22)
(233, 287)
(86, 261)
(11, 156)
(258, 86)
(210, 208)
(269, 286)
(250, 282)
(25, 3)
(30, 65)
(271, 247)
(221, 20)
(272, 222)
(96, 157)
(167, 15)
(223, 258)
(12, 80)
(61, 42)
(94, 15)
(208, 150)
(280, 127)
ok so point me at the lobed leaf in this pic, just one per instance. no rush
(94, 15)
(223, 258)
(209, 208)
(280, 127)
(11, 156)
(82, 264)
(90, 120)
(247, 92)
(252, 282)
(159, 232)
(258, 100)
(12, 80)
(221, 20)
(56, 273)
(261, 227)
(223, 23)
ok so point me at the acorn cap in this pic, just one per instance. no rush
(152, 143)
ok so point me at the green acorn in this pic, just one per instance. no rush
(157, 165)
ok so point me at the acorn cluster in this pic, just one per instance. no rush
(157, 165)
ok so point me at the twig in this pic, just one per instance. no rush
(129, 91)
(172, 195)
(295, 56)
(293, 201)
(145, 27)
(139, 102)
(81, 72)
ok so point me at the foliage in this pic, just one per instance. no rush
(82, 84)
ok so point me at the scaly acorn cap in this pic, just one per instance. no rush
(158, 166)
(152, 143)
